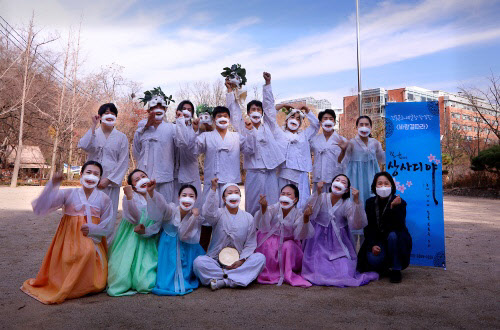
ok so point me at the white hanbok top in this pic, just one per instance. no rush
(267, 154)
(154, 150)
(237, 231)
(222, 156)
(110, 152)
(168, 216)
(273, 223)
(133, 209)
(186, 160)
(326, 155)
(74, 203)
(344, 213)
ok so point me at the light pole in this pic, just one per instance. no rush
(359, 55)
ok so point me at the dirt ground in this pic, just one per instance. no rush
(466, 295)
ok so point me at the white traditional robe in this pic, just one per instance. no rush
(112, 154)
(262, 164)
(237, 231)
(326, 155)
(222, 156)
(132, 209)
(154, 150)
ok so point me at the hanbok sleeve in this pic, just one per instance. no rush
(247, 141)
(121, 166)
(50, 199)
(380, 152)
(152, 229)
(251, 240)
(270, 112)
(313, 128)
(210, 210)
(263, 220)
(87, 142)
(235, 111)
(356, 215)
(348, 153)
(315, 201)
(130, 211)
(190, 229)
(158, 208)
(302, 230)
(106, 225)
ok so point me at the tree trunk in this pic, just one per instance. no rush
(17, 163)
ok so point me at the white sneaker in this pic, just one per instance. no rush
(213, 284)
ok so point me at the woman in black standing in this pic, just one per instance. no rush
(388, 243)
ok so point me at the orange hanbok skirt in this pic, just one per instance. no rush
(73, 266)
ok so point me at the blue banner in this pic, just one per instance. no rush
(413, 157)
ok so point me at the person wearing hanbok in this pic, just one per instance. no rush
(132, 258)
(388, 243)
(109, 147)
(154, 145)
(75, 263)
(361, 157)
(330, 255)
(295, 145)
(281, 227)
(187, 170)
(179, 240)
(326, 150)
(262, 164)
(221, 148)
(234, 228)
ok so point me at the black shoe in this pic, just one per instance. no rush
(395, 276)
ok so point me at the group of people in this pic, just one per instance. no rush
(172, 231)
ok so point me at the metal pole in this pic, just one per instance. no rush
(359, 65)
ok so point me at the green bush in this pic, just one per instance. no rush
(487, 160)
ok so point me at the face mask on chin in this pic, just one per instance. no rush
(187, 115)
(328, 125)
(293, 124)
(338, 188)
(364, 131)
(188, 201)
(233, 200)
(255, 117)
(286, 202)
(108, 119)
(383, 192)
(159, 114)
(89, 177)
(222, 122)
(139, 185)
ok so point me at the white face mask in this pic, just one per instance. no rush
(206, 119)
(89, 177)
(383, 191)
(222, 122)
(364, 131)
(328, 125)
(188, 201)
(286, 202)
(338, 185)
(233, 200)
(139, 185)
(255, 117)
(159, 114)
(292, 124)
(187, 115)
(108, 119)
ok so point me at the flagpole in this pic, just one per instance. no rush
(359, 65)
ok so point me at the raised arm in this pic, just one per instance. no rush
(190, 229)
(302, 227)
(313, 128)
(130, 211)
(210, 210)
(51, 197)
(265, 214)
(235, 111)
(87, 142)
(355, 212)
(251, 240)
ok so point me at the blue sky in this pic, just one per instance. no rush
(308, 46)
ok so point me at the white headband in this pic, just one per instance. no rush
(293, 111)
(227, 185)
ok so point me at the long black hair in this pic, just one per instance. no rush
(347, 192)
(369, 120)
(91, 162)
(181, 105)
(295, 190)
(389, 177)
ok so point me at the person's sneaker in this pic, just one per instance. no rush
(217, 284)
(395, 276)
